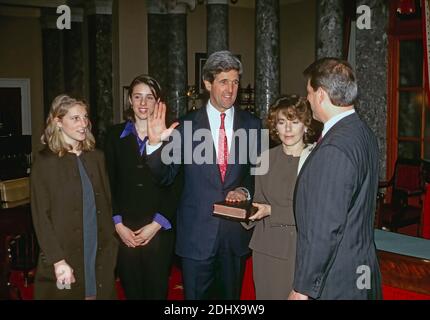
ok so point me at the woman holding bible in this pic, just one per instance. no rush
(273, 242)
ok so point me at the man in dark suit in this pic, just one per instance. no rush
(216, 167)
(335, 195)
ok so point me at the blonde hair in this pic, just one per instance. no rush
(52, 135)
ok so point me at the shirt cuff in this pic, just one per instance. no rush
(117, 219)
(248, 194)
(150, 149)
(162, 221)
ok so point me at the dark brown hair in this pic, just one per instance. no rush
(293, 107)
(153, 85)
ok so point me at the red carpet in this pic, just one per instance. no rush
(175, 285)
(248, 291)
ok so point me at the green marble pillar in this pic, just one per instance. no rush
(99, 15)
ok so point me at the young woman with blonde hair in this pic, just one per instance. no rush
(71, 209)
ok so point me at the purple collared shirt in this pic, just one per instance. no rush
(158, 217)
(131, 129)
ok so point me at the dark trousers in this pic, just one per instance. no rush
(219, 277)
(144, 271)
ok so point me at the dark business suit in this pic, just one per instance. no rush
(144, 271)
(335, 199)
(201, 236)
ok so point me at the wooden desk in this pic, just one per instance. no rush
(13, 222)
(404, 261)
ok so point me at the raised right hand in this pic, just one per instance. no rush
(157, 130)
(127, 236)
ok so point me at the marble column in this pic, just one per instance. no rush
(371, 68)
(330, 15)
(167, 50)
(53, 66)
(267, 63)
(73, 56)
(217, 25)
(100, 66)
(177, 64)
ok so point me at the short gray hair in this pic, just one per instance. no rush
(220, 61)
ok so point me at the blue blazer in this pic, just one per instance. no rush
(199, 233)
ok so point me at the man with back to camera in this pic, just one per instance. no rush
(335, 195)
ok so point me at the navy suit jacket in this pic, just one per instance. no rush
(334, 205)
(199, 234)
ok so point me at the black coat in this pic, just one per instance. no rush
(135, 194)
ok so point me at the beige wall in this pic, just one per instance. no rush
(297, 44)
(21, 57)
(132, 51)
(242, 40)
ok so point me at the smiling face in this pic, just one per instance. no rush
(74, 125)
(142, 101)
(223, 90)
(290, 132)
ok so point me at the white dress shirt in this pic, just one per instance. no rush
(329, 124)
(215, 122)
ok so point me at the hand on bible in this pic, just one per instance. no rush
(236, 196)
(157, 130)
(264, 210)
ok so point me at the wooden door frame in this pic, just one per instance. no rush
(406, 30)
(24, 85)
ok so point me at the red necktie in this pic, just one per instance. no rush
(222, 149)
